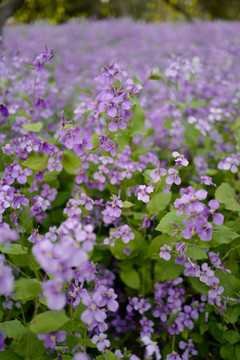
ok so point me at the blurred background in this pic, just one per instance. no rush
(59, 11)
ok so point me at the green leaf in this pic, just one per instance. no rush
(25, 219)
(226, 195)
(71, 162)
(159, 202)
(13, 249)
(9, 355)
(61, 198)
(196, 253)
(232, 314)
(167, 270)
(237, 352)
(232, 336)
(49, 321)
(127, 204)
(110, 355)
(155, 77)
(36, 127)
(36, 163)
(36, 347)
(26, 289)
(165, 225)
(29, 67)
(95, 140)
(131, 278)
(13, 328)
(221, 235)
(238, 137)
(227, 352)
(138, 119)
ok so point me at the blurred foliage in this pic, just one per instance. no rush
(58, 11)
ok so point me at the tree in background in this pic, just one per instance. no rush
(58, 11)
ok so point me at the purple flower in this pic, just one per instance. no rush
(20, 174)
(142, 193)
(42, 59)
(52, 289)
(164, 253)
(52, 338)
(81, 177)
(126, 233)
(174, 178)
(151, 348)
(3, 110)
(81, 356)
(101, 341)
(80, 143)
(155, 174)
(108, 298)
(173, 356)
(217, 217)
(180, 161)
(93, 314)
(6, 278)
(2, 341)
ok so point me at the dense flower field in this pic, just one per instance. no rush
(120, 191)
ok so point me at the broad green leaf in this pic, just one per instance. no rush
(167, 226)
(196, 253)
(238, 137)
(49, 321)
(159, 202)
(131, 278)
(232, 336)
(25, 219)
(221, 235)
(237, 352)
(137, 119)
(226, 195)
(95, 140)
(36, 127)
(110, 355)
(13, 249)
(127, 204)
(167, 270)
(13, 328)
(70, 163)
(230, 283)
(26, 289)
(232, 314)
(227, 352)
(36, 347)
(10, 355)
(36, 163)
(61, 198)
(50, 176)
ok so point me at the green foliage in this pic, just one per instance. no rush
(13, 328)
(36, 163)
(36, 127)
(27, 289)
(226, 195)
(131, 278)
(48, 321)
(70, 162)
(196, 253)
